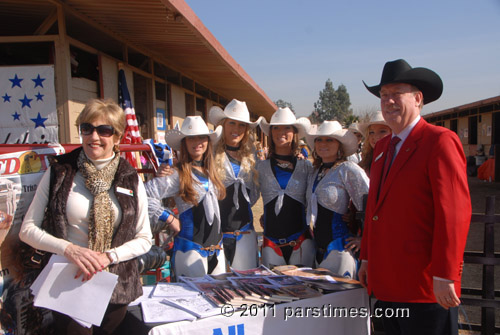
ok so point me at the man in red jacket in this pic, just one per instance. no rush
(418, 210)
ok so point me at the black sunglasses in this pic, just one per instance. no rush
(102, 130)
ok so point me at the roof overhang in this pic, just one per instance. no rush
(166, 30)
(458, 109)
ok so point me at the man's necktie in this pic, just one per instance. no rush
(389, 158)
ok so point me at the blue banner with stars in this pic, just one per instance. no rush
(28, 111)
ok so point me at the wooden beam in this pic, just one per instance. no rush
(63, 79)
(101, 74)
(91, 50)
(67, 8)
(25, 39)
(81, 45)
(47, 23)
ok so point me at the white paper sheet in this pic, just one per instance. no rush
(165, 290)
(154, 311)
(147, 293)
(57, 289)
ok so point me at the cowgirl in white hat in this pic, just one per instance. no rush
(196, 187)
(373, 130)
(235, 164)
(331, 185)
(283, 182)
(356, 156)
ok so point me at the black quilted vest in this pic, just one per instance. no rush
(64, 168)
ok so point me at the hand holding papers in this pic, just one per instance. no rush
(57, 289)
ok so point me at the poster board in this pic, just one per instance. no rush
(28, 112)
(20, 173)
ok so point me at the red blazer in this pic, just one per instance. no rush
(417, 228)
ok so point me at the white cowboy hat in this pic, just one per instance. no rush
(347, 139)
(354, 127)
(192, 126)
(284, 116)
(235, 110)
(376, 118)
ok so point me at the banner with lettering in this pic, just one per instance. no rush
(28, 111)
(20, 173)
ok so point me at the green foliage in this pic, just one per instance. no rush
(282, 104)
(351, 119)
(333, 105)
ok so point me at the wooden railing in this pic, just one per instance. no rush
(485, 296)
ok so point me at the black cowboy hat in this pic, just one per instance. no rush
(399, 71)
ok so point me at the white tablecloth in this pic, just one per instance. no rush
(304, 317)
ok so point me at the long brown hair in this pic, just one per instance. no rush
(247, 152)
(317, 161)
(295, 142)
(186, 189)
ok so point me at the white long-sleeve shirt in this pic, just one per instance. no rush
(77, 213)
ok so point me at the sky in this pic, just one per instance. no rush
(290, 48)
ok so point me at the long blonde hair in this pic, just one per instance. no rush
(247, 153)
(186, 189)
(366, 156)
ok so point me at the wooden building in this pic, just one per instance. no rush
(171, 61)
(477, 124)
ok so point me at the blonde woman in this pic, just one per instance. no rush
(196, 188)
(283, 182)
(235, 164)
(91, 207)
(333, 183)
(373, 130)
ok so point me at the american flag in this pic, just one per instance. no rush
(132, 134)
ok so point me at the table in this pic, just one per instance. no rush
(343, 312)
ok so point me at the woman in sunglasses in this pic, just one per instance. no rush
(91, 207)
(196, 188)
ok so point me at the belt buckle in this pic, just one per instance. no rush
(36, 261)
(211, 248)
(292, 243)
(37, 256)
(237, 233)
(282, 241)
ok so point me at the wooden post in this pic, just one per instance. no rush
(497, 162)
(63, 79)
(488, 313)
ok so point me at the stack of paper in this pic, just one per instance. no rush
(155, 311)
(197, 305)
(57, 289)
(167, 290)
(147, 293)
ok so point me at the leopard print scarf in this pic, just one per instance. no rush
(98, 182)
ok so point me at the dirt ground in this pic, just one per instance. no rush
(472, 275)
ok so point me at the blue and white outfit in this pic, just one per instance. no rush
(286, 233)
(198, 246)
(240, 239)
(328, 199)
